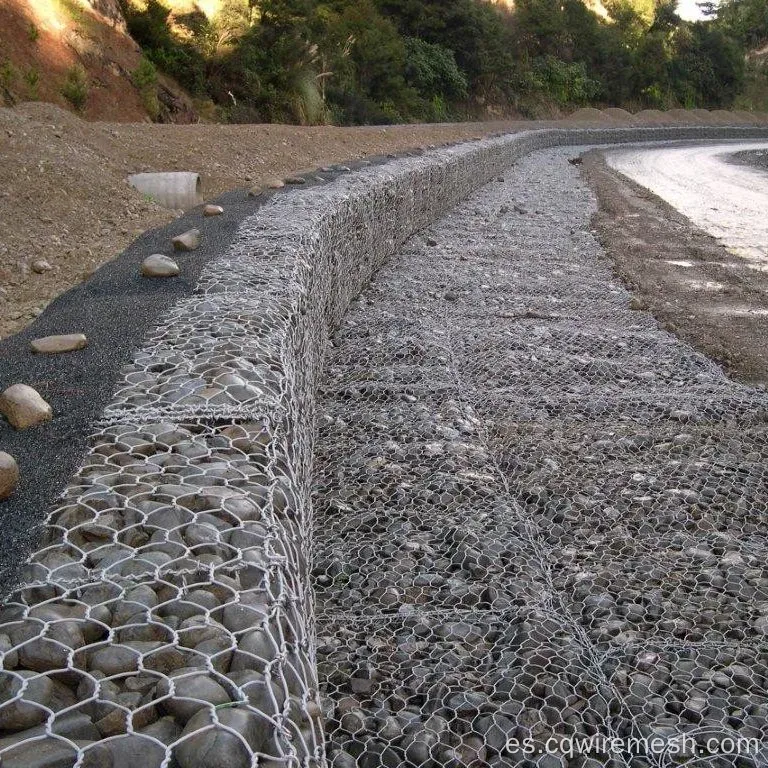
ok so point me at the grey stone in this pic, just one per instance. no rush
(187, 241)
(166, 730)
(40, 266)
(24, 407)
(62, 343)
(125, 751)
(31, 709)
(114, 660)
(9, 475)
(44, 753)
(193, 691)
(158, 265)
(219, 747)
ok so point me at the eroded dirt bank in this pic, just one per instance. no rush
(708, 296)
(64, 198)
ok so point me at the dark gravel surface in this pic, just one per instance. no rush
(756, 158)
(115, 308)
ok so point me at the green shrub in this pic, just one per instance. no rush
(144, 77)
(433, 71)
(178, 58)
(76, 87)
(33, 33)
(8, 75)
(32, 79)
(439, 112)
(566, 83)
(145, 74)
(755, 93)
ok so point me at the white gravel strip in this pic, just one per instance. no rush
(728, 201)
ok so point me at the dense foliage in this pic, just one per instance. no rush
(380, 61)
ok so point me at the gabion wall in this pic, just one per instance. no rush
(167, 618)
(540, 518)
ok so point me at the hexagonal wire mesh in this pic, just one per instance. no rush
(167, 618)
(540, 520)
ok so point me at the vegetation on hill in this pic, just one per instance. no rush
(76, 54)
(381, 61)
(747, 22)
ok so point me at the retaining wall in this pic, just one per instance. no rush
(167, 618)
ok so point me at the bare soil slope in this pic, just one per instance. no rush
(42, 41)
(64, 197)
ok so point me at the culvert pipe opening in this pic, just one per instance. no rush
(172, 189)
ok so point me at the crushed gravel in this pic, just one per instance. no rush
(756, 158)
(538, 514)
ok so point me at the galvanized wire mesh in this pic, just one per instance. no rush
(167, 618)
(540, 520)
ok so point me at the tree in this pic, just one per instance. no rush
(474, 31)
(378, 61)
(151, 28)
(432, 70)
(364, 60)
(707, 68)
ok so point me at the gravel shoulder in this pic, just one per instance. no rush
(754, 158)
(115, 308)
(692, 284)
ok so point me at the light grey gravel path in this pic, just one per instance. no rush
(537, 514)
(725, 199)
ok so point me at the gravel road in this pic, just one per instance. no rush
(537, 514)
(727, 200)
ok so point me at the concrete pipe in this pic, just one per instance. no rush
(175, 189)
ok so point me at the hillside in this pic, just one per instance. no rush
(78, 54)
(358, 62)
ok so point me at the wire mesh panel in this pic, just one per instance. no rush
(540, 520)
(167, 618)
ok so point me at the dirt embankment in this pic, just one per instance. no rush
(695, 286)
(64, 198)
